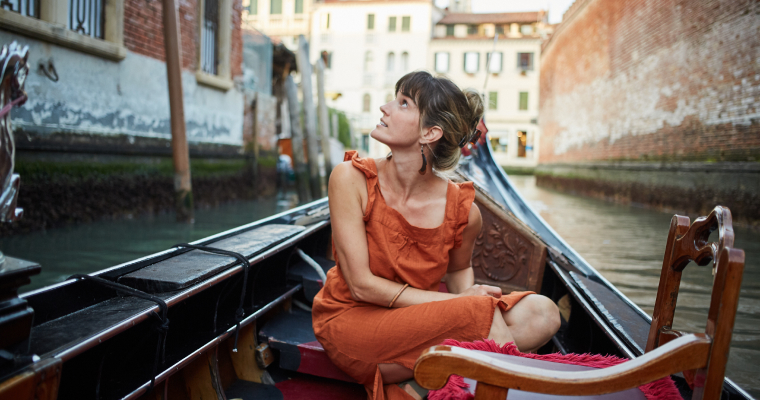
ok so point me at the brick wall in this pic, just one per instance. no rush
(143, 31)
(652, 80)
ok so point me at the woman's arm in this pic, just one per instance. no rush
(347, 193)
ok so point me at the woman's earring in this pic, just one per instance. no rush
(389, 156)
(424, 162)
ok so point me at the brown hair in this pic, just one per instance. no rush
(441, 103)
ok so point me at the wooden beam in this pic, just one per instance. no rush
(310, 117)
(324, 119)
(296, 134)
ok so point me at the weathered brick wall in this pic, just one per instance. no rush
(143, 31)
(652, 80)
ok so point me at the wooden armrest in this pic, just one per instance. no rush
(436, 364)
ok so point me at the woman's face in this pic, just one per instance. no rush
(400, 123)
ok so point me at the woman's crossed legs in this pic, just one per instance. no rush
(530, 324)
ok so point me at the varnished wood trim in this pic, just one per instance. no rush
(689, 352)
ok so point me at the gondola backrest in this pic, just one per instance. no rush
(690, 243)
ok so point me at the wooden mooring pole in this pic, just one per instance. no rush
(296, 141)
(324, 121)
(183, 190)
(304, 67)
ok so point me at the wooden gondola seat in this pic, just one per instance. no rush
(668, 351)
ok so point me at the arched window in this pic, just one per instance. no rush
(365, 103)
(391, 64)
(368, 61)
(404, 62)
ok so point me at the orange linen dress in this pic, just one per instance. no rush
(358, 336)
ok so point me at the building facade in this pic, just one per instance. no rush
(281, 20)
(655, 103)
(368, 46)
(102, 73)
(461, 50)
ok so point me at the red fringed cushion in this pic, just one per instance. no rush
(456, 388)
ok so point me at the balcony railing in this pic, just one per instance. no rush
(27, 8)
(87, 17)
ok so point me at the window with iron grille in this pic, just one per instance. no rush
(209, 37)
(86, 17)
(406, 24)
(275, 7)
(299, 7)
(391, 24)
(27, 8)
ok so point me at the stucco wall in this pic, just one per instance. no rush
(652, 80)
(130, 97)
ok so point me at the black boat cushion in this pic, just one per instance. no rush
(514, 394)
(195, 266)
(305, 274)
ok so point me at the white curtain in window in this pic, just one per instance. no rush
(494, 65)
(471, 62)
(404, 62)
(391, 64)
(441, 62)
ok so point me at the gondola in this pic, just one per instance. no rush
(228, 316)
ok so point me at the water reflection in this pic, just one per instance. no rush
(90, 247)
(626, 245)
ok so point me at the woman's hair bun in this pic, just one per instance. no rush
(475, 102)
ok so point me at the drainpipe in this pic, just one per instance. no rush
(183, 190)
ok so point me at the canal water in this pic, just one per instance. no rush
(626, 244)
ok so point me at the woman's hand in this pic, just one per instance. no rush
(481, 290)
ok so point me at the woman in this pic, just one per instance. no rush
(398, 230)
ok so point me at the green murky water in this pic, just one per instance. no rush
(626, 245)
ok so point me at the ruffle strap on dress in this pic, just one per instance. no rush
(464, 200)
(367, 166)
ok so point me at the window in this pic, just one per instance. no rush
(27, 8)
(471, 62)
(324, 21)
(368, 61)
(441, 62)
(500, 29)
(525, 61)
(404, 62)
(298, 8)
(391, 24)
(93, 26)
(275, 7)
(493, 100)
(494, 66)
(523, 101)
(85, 17)
(522, 143)
(326, 58)
(472, 29)
(391, 64)
(370, 22)
(526, 29)
(365, 102)
(253, 7)
(209, 37)
(406, 24)
(450, 30)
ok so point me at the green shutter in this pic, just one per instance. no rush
(392, 24)
(493, 101)
(253, 7)
(523, 100)
(275, 7)
(370, 22)
(449, 30)
(406, 23)
(299, 6)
